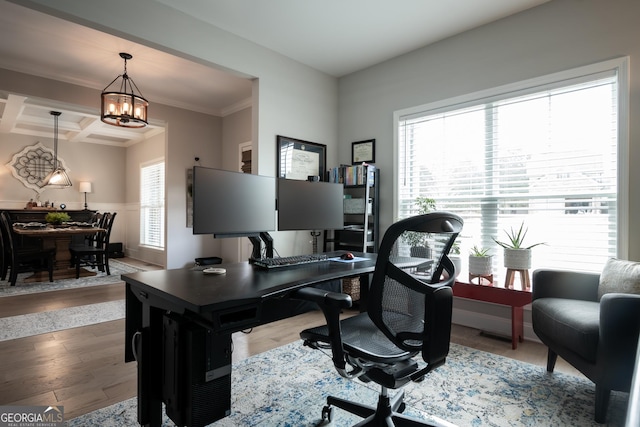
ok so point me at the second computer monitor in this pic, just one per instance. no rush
(306, 205)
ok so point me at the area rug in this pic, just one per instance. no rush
(288, 386)
(116, 267)
(26, 325)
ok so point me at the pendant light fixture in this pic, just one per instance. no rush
(123, 106)
(58, 177)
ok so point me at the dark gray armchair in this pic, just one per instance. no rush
(591, 321)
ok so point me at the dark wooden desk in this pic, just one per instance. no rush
(222, 303)
(58, 238)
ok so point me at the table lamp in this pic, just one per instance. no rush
(85, 187)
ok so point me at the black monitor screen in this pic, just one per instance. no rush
(232, 203)
(305, 205)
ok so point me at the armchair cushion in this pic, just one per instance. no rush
(574, 323)
(619, 276)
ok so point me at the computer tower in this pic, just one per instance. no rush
(196, 386)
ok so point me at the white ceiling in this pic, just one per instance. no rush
(337, 37)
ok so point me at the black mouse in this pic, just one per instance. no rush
(348, 255)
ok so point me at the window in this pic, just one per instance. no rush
(152, 205)
(544, 153)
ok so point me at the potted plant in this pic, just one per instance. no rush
(454, 256)
(516, 255)
(418, 242)
(57, 218)
(480, 262)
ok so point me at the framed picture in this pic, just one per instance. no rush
(363, 151)
(299, 159)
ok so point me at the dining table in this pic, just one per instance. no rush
(58, 237)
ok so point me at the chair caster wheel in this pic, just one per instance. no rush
(327, 413)
(402, 407)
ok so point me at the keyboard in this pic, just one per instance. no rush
(289, 261)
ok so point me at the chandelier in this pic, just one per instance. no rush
(58, 177)
(122, 106)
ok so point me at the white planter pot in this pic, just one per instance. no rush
(457, 262)
(517, 259)
(480, 265)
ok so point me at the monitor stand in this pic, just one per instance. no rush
(256, 241)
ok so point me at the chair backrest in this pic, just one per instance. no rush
(410, 295)
(7, 233)
(98, 239)
(107, 224)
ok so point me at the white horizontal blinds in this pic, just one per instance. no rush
(152, 205)
(547, 157)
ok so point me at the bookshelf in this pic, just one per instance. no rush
(361, 209)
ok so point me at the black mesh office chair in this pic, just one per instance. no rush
(408, 313)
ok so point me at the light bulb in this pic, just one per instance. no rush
(55, 178)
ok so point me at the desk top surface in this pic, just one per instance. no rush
(53, 231)
(242, 283)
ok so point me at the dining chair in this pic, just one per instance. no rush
(21, 257)
(95, 253)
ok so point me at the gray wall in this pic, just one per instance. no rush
(555, 36)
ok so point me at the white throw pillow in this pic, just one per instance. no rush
(619, 276)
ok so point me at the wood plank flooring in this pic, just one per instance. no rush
(83, 368)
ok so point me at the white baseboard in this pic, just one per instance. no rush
(493, 324)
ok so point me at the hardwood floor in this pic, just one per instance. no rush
(83, 368)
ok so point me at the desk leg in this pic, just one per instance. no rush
(150, 368)
(517, 326)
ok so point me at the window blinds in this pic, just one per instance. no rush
(152, 205)
(545, 155)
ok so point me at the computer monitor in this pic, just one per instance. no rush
(227, 203)
(308, 205)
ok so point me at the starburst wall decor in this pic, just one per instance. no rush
(32, 165)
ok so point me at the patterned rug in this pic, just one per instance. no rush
(117, 268)
(288, 386)
(26, 325)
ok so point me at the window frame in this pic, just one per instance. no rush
(618, 65)
(163, 205)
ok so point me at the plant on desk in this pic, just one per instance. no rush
(57, 218)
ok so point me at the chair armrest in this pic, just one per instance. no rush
(565, 284)
(322, 297)
(439, 306)
(331, 304)
(619, 326)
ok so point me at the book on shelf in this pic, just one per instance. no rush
(353, 174)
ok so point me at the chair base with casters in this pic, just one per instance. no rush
(408, 314)
(387, 413)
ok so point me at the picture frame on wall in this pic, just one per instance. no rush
(363, 152)
(298, 159)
